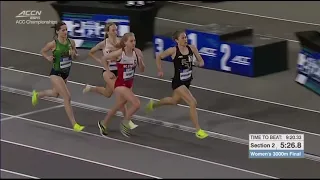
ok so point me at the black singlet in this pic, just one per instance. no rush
(183, 66)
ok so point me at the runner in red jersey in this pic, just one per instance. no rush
(110, 43)
(128, 58)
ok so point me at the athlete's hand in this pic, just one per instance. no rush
(49, 58)
(160, 74)
(74, 54)
(111, 75)
(201, 64)
(142, 67)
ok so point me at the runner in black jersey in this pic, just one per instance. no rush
(182, 56)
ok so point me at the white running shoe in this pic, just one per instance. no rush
(86, 89)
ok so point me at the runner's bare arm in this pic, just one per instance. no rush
(196, 53)
(96, 48)
(113, 56)
(49, 46)
(140, 59)
(162, 55)
(74, 49)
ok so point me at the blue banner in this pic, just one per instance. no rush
(217, 55)
(88, 29)
(236, 59)
(276, 154)
(161, 43)
(308, 68)
(208, 46)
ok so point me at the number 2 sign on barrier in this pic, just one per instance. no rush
(211, 52)
(220, 56)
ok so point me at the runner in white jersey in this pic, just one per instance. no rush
(110, 43)
(109, 46)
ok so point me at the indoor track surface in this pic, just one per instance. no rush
(38, 142)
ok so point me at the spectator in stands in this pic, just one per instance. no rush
(138, 3)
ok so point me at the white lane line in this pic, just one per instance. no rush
(148, 120)
(78, 158)
(33, 112)
(177, 21)
(199, 109)
(19, 174)
(135, 117)
(197, 87)
(243, 13)
(144, 146)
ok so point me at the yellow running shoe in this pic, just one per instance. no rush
(149, 106)
(77, 127)
(201, 134)
(103, 129)
(125, 129)
(132, 125)
(34, 97)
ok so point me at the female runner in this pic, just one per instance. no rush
(63, 52)
(110, 70)
(182, 56)
(128, 57)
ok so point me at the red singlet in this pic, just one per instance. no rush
(126, 70)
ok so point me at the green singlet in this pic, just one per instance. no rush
(62, 58)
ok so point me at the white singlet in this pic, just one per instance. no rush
(126, 66)
(107, 49)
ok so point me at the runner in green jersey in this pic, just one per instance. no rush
(63, 51)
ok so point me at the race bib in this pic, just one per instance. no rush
(65, 62)
(128, 74)
(112, 66)
(185, 74)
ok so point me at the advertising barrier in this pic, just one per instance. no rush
(308, 70)
(221, 57)
(88, 29)
(232, 50)
(86, 20)
(308, 64)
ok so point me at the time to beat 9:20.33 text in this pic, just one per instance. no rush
(276, 146)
